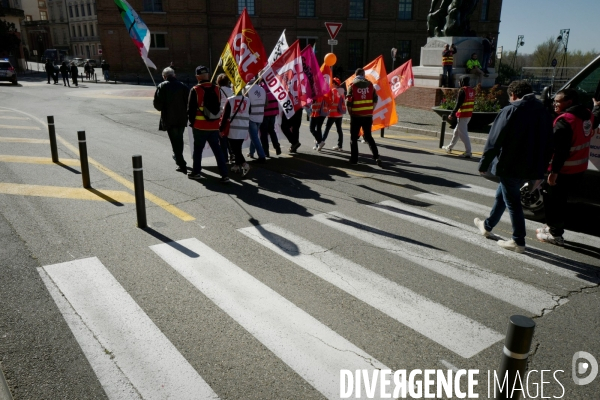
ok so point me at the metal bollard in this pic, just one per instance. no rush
(514, 357)
(138, 185)
(382, 131)
(443, 132)
(83, 157)
(52, 134)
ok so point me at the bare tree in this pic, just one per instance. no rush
(545, 52)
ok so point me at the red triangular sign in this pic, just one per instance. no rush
(333, 28)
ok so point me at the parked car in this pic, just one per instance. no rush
(7, 71)
(78, 61)
(91, 61)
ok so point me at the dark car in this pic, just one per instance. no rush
(7, 71)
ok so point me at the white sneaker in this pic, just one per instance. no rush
(545, 229)
(511, 245)
(315, 146)
(336, 148)
(447, 149)
(548, 238)
(481, 225)
(245, 169)
(362, 140)
(320, 146)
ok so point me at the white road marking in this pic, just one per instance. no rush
(503, 288)
(309, 347)
(483, 191)
(138, 360)
(450, 329)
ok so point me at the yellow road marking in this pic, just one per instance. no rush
(23, 140)
(33, 128)
(36, 160)
(3, 117)
(112, 196)
(154, 199)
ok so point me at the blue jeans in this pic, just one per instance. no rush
(200, 139)
(508, 196)
(255, 140)
(105, 72)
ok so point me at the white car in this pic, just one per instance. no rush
(7, 71)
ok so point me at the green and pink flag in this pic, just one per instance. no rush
(137, 30)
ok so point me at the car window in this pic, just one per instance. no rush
(587, 84)
(4, 65)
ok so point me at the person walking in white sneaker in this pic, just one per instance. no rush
(336, 111)
(463, 111)
(520, 140)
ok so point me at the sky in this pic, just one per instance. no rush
(539, 20)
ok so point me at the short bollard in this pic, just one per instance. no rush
(443, 132)
(382, 131)
(514, 356)
(138, 186)
(83, 157)
(52, 134)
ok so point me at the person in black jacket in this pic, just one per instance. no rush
(74, 73)
(49, 67)
(170, 99)
(520, 140)
(64, 72)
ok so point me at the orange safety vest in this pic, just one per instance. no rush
(362, 101)
(580, 145)
(201, 123)
(320, 107)
(337, 103)
(466, 110)
(448, 60)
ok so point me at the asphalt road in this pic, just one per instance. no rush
(267, 287)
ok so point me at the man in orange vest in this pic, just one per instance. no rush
(572, 134)
(463, 111)
(447, 63)
(360, 103)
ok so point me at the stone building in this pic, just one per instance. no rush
(59, 24)
(83, 27)
(192, 32)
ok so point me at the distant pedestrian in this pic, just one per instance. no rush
(571, 151)
(204, 109)
(49, 67)
(225, 88)
(171, 99)
(86, 69)
(105, 70)
(463, 110)
(336, 111)
(74, 72)
(64, 72)
(258, 100)
(488, 50)
(520, 141)
(267, 127)
(447, 64)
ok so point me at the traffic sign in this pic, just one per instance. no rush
(332, 42)
(333, 28)
(554, 62)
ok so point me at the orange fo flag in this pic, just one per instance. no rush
(401, 79)
(327, 75)
(384, 114)
(244, 55)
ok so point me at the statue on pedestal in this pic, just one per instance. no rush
(450, 17)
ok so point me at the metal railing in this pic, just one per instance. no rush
(540, 77)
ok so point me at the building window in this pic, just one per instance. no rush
(307, 41)
(94, 49)
(158, 41)
(355, 54)
(79, 30)
(76, 11)
(405, 9)
(43, 15)
(89, 7)
(403, 53)
(71, 11)
(485, 5)
(153, 5)
(357, 9)
(74, 35)
(91, 30)
(307, 8)
(41, 4)
(82, 11)
(85, 30)
(248, 4)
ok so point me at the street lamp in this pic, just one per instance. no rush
(520, 43)
(563, 40)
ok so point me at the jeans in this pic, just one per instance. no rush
(105, 72)
(555, 201)
(461, 132)
(316, 123)
(508, 195)
(338, 125)
(200, 139)
(355, 124)
(254, 140)
(447, 76)
(176, 138)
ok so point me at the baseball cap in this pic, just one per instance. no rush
(201, 69)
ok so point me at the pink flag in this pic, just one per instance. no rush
(401, 79)
(313, 80)
(283, 79)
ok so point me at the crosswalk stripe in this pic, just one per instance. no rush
(450, 329)
(484, 211)
(309, 347)
(125, 348)
(461, 231)
(503, 288)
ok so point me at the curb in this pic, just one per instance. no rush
(4, 391)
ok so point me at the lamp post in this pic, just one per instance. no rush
(520, 43)
(563, 40)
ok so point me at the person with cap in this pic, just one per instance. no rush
(225, 88)
(267, 127)
(258, 100)
(360, 103)
(463, 111)
(204, 114)
(171, 99)
(337, 109)
(447, 64)
(237, 116)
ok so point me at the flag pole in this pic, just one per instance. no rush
(216, 68)
(150, 74)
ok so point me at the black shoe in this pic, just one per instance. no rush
(294, 147)
(224, 179)
(194, 176)
(378, 162)
(181, 169)
(278, 150)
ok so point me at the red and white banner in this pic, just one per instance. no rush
(401, 79)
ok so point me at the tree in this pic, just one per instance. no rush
(9, 42)
(545, 52)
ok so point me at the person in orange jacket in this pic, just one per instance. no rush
(336, 111)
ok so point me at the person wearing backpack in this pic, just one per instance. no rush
(338, 109)
(204, 114)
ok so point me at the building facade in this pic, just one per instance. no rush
(35, 29)
(12, 12)
(83, 28)
(192, 32)
(59, 24)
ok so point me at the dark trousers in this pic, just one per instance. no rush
(200, 139)
(176, 138)
(356, 123)
(555, 201)
(447, 76)
(316, 124)
(50, 75)
(227, 153)
(338, 125)
(74, 77)
(65, 79)
(291, 127)
(236, 147)
(508, 195)
(267, 128)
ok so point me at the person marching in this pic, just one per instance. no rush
(258, 101)
(319, 111)
(204, 99)
(463, 111)
(337, 109)
(291, 129)
(447, 63)
(226, 92)
(361, 102)
(267, 128)
(237, 115)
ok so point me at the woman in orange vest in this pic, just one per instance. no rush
(319, 111)
(463, 111)
(337, 109)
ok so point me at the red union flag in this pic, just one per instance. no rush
(244, 55)
(284, 79)
(401, 79)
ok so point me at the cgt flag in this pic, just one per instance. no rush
(137, 29)
(314, 82)
(401, 79)
(244, 55)
(384, 114)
